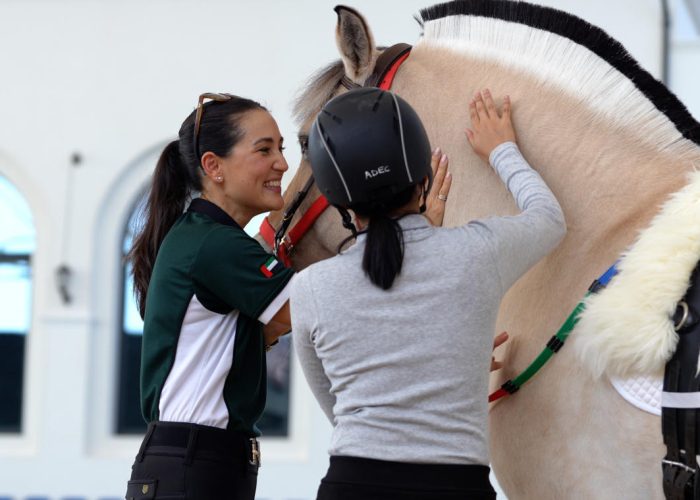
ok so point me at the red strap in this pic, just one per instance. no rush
(307, 220)
(267, 232)
(388, 79)
(295, 234)
(283, 255)
(497, 395)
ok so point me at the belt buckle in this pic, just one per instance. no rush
(288, 243)
(254, 452)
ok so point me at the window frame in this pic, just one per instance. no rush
(25, 443)
(17, 258)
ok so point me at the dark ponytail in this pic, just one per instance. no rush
(384, 247)
(383, 255)
(170, 191)
(177, 176)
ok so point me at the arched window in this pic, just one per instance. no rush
(129, 419)
(275, 419)
(17, 244)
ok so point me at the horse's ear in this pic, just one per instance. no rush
(355, 43)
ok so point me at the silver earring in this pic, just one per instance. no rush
(219, 179)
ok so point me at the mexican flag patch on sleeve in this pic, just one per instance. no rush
(269, 266)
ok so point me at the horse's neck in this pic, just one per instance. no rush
(609, 180)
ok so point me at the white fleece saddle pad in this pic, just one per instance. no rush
(642, 392)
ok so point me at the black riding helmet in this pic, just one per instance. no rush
(367, 145)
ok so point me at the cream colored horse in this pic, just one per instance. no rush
(612, 159)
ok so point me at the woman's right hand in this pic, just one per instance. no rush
(490, 127)
(442, 180)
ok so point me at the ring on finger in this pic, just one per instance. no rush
(442, 197)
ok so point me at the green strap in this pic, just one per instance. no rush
(552, 347)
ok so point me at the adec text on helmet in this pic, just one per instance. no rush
(370, 174)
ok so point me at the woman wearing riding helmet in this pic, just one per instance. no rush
(394, 334)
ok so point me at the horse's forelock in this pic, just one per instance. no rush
(318, 90)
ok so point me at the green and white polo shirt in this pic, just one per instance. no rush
(212, 289)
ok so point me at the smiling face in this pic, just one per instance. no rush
(247, 181)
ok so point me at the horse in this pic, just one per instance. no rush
(612, 143)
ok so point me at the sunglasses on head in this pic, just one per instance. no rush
(212, 96)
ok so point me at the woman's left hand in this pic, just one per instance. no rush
(442, 180)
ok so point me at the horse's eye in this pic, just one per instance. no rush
(304, 144)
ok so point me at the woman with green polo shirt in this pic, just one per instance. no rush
(211, 299)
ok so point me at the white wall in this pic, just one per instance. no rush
(113, 81)
(685, 74)
(635, 23)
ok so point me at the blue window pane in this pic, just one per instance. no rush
(17, 235)
(131, 319)
(17, 243)
(135, 223)
(15, 297)
(133, 324)
(128, 412)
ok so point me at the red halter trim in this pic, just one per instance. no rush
(297, 232)
(267, 232)
(307, 220)
(388, 79)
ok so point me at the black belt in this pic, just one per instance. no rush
(415, 476)
(196, 439)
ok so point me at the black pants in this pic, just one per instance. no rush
(180, 461)
(352, 478)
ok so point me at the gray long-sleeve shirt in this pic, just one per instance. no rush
(403, 373)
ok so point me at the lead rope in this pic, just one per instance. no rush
(555, 343)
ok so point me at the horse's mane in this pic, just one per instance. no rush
(321, 86)
(318, 90)
(578, 31)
